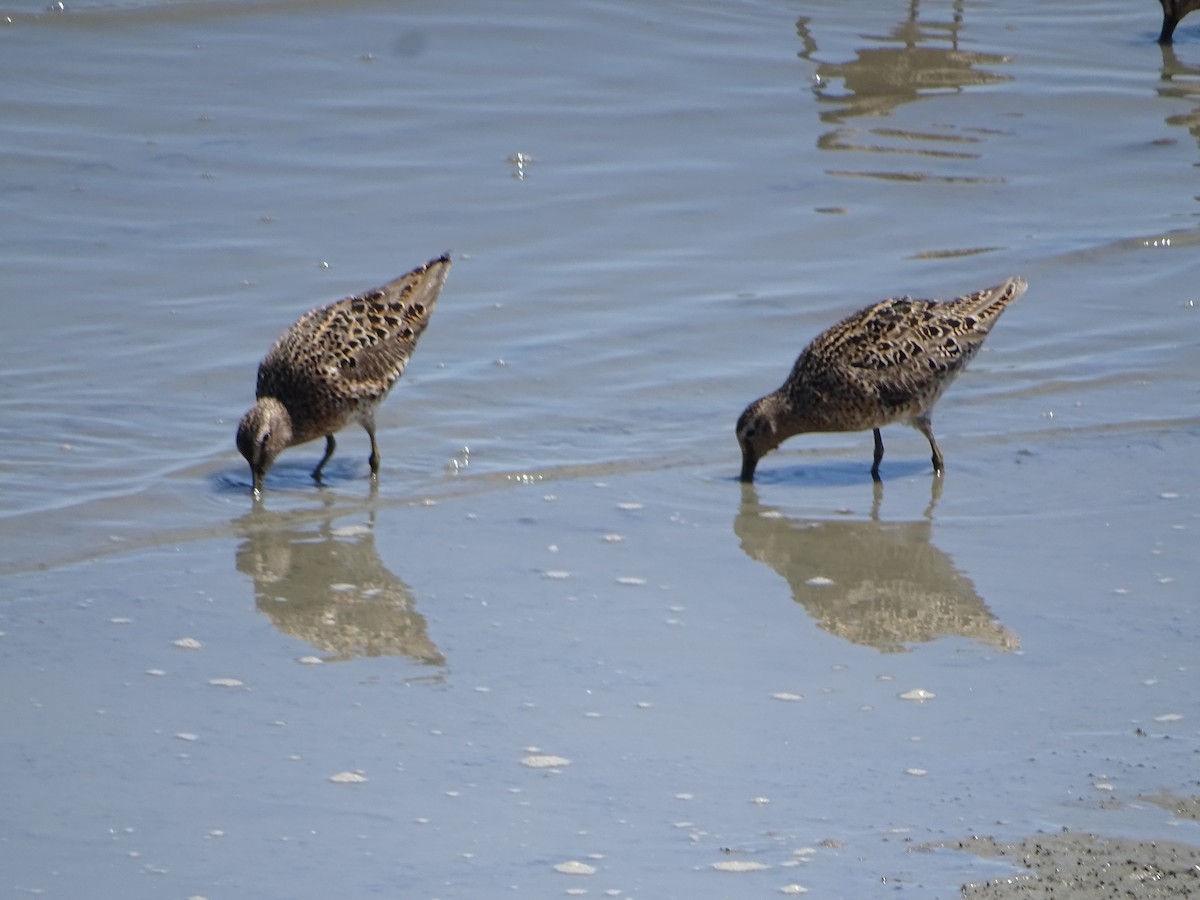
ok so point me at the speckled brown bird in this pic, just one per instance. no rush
(336, 364)
(887, 363)
(1173, 11)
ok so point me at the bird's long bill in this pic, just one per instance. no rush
(749, 462)
(257, 477)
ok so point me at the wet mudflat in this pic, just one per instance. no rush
(560, 649)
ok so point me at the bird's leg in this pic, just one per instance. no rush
(925, 426)
(373, 459)
(878, 455)
(1171, 17)
(330, 446)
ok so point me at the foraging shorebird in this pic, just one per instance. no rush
(887, 363)
(337, 363)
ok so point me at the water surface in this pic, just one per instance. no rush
(652, 208)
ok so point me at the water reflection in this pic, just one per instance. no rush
(882, 584)
(917, 59)
(327, 586)
(1181, 82)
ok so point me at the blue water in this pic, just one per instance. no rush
(652, 207)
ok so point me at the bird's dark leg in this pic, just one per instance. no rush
(374, 458)
(878, 455)
(925, 426)
(1173, 11)
(1171, 18)
(330, 446)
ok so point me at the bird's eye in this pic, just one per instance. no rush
(266, 436)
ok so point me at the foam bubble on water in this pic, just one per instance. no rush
(188, 643)
(575, 867)
(918, 695)
(545, 761)
(226, 682)
(739, 865)
(348, 778)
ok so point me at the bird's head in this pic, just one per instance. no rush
(758, 433)
(265, 432)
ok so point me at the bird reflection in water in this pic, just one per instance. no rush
(1181, 81)
(327, 586)
(881, 584)
(917, 59)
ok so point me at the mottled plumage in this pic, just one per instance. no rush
(887, 363)
(336, 364)
(1173, 11)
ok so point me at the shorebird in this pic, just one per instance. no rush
(887, 363)
(337, 363)
(1173, 11)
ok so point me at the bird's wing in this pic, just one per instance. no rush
(393, 317)
(901, 347)
(361, 343)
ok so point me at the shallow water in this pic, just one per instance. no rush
(652, 208)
